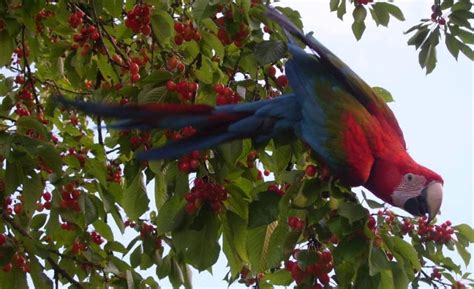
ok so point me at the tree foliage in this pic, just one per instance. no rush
(69, 189)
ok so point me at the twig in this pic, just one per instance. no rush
(236, 67)
(28, 70)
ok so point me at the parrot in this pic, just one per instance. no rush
(350, 129)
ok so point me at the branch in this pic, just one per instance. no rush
(28, 70)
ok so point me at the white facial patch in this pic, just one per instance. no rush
(410, 187)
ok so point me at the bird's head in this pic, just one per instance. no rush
(409, 186)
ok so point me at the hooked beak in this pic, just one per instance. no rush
(428, 202)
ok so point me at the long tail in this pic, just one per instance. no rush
(259, 120)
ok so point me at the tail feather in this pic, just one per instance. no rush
(259, 120)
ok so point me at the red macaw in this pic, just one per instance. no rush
(350, 129)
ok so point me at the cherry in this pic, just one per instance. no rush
(7, 267)
(18, 208)
(271, 71)
(371, 223)
(310, 170)
(282, 81)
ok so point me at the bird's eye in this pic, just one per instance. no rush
(410, 177)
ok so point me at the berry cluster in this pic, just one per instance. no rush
(78, 247)
(75, 19)
(190, 163)
(203, 193)
(187, 90)
(80, 155)
(114, 173)
(67, 226)
(40, 17)
(225, 95)
(296, 223)
(185, 32)
(9, 207)
(173, 63)
(96, 238)
(86, 38)
(363, 2)
(138, 19)
(438, 233)
(436, 16)
(313, 275)
(274, 188)
(143, 138)
(21, 109)
(70, 195)
(19, 261)
(238, 38)
(47, 202)
(134, 68)
(146, 229)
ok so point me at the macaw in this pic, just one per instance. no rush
(351, 130)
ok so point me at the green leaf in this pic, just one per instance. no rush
(161, 193)
(31, 122)
(270, 51)
(51, 157)
(170, 215)
(407, 251)
(358, 29)
(377, 261)
(15, 176)
(7, 46)
(204, 249)
(464, 253)
(106, 69)
(466, 36)
(258, 240)
(427, 57)
(359, 14)
(341, 10)
(466, 231)
(467, 51)
(135, 201)
(210, 43)
(353, 212)
(419, 37)
(452, 45)
(104, 230)
(380, 14)
(163, 26)
(334, 4)
(264, 210)
(32, 189)
(383, 93)
(202, 9)
(392, 10)
(114, 7)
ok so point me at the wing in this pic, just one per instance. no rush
(347, 78)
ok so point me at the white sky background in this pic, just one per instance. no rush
(435, 112)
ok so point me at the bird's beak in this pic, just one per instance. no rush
(434, 198)
(428, 202)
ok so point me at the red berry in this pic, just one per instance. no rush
(170, 85)
(271, 71)
(3, 239)
(180, 67)
(46, 196)
(310, 170)
(324, 278)
(184, 166)
(190, 208)
(371, 223)
(135, 77)
(179, 27)
(282, 81)
(7, 267)
(178, 40)
(18, 208)
(194, 164)
(134, 68)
